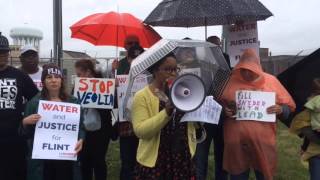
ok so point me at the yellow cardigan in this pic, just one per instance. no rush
(147, 124)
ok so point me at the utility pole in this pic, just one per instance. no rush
(57, 32)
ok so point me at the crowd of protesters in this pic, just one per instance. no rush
(153, 144)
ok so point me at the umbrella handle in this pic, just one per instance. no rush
(115, 73)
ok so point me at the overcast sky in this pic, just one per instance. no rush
(294, 27)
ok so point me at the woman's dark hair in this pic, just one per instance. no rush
(63, 95)
(315, 87)
(87, 65)
(152, 69)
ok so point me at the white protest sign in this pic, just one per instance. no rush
(240, 38)
(209, 112)
(252, 105)
(95, 92)
(140, 82)
(56, 133)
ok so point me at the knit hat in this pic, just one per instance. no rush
(49, 69)
(4, 43)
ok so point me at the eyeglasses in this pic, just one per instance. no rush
(170, 70)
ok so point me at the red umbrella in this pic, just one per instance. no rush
(112, 28)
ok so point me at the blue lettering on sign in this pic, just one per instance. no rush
(88, 97)
(100, 99)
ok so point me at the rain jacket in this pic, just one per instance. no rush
(314, 106)
(35, 166)
(252, 144)
(299, 122)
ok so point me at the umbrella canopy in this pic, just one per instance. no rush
(112, 28)
(204, 56)
(193, 13)
(201, 58)
(298, 78)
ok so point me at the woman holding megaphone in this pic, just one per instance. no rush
(166, 146)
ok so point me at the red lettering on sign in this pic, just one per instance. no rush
(94, 84)
(102, 87)
(61, 108)
(84, 83)
(109, 84)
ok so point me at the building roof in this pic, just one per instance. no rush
(286, 57)
(75, 54)
(25, 32)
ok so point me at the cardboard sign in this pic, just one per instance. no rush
(209, 112)
(252, 105)
(56, 133)
(140, 82)
(240, 38)
(95, 92)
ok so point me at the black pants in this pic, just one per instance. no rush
(215, 133)
(13, 164)
(128, 153)
(58, 170)
(94, 154)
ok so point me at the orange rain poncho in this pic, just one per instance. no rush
(252, 144)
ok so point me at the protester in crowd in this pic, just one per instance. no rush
(29, 59)
(216, 40)
(166, 146)
(252, 144)
(98, 126)
(53, 90)
(306, 125)
(128, 141)
(14, 86)
(215, 134)
(123, 66)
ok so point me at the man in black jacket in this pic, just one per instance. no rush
(14, 86)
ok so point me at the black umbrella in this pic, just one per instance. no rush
(298, 78)
(193, 13)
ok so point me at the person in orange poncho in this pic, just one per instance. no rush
(252, 144)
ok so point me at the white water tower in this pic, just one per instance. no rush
(26, 36)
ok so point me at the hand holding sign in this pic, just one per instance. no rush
(78, 147)
(230, 109)
(275, 109)
(31, 119)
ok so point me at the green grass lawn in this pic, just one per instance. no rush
(289, 165)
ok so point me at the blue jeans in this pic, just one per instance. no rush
(314, 168)
(215, 133)
(245, 175)
(128, 152)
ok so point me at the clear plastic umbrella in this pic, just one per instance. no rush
(197, 57)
